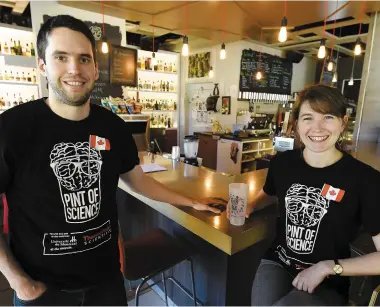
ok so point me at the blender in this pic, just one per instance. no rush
(191, 149)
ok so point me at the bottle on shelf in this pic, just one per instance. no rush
(34, 76)
(167, 86)
(32, 50)
(1, 49)
(6, 48)
(174, 68)
(165, 67)
(29, 77)
(27, 50)
(6, 76)
(139, 63)
(18, 77)
(143, 63)
(1, 76)
(170, 67)
(23, 78)
(11, 76)
(19, 48)
(13, 47)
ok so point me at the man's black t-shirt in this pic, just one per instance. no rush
(60, 178)
(321, 210)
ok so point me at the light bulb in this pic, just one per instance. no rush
(358, 47)
(154, 60)
(259, 75)
(282, 36)
(104, 47)
(322, 49)
(330, 66)
(185, 46)
(223, 52)
(211, 73)
(335, 78)
(351, 82)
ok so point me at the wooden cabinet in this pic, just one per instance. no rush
(208, 150)
(166, 138)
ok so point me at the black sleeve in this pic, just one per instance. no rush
(370, 201)
(129, 153)
(5, 159)
(269, 186)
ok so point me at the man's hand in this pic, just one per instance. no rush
(248, 211)
(202, 204)
(310, 278)
(30, 289)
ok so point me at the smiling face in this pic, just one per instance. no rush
(69, 66)
(318, 132)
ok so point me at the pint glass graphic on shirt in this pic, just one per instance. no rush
(77, 168)
(305, 209)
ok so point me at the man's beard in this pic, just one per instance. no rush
(64, 98)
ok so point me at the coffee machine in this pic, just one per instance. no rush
(191, 149)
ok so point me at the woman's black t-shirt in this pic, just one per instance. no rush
(321, 210)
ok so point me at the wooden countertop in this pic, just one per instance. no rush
(199, 183)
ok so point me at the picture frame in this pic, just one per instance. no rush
(123, 66)
(226, 105)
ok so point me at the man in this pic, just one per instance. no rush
(60, 162)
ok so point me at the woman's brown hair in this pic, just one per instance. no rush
(323, 99)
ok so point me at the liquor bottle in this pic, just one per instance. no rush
(0, 48)
(18, 77)
(160, 65)
(32, 50)
(165, 67)
(169, 124)
(140, 84)
(13, 51)
(29, 78)
(11, 76)
(171, 88)
(6, 48)
(6, 77)
(170, 67)
(143, 63)
(34, 76)
(19, 99)
(1, 76)
(23, 78)
(167, 86)
(174, 68)
(27, 50)
(139, 63)
(19, 48)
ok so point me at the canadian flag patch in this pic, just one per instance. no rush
(332, 193)
(99, 143)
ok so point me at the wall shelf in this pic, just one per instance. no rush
(157, 72)
(18, 83)
(147, 91)
(15, 27)
(19, 60)
(158, 111)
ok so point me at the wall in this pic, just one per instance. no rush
(367, 126)
(227, 75)
(52, 8)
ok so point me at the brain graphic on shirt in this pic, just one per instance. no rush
(305, 206)
(76, 165)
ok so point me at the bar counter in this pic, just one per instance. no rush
(200, 183)
(225, 256)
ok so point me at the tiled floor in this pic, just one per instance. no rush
(149, 298)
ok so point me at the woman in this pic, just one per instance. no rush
(324, 196)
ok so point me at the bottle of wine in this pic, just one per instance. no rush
(32, 50)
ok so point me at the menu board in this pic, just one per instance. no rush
(123, 66)
(277, 73)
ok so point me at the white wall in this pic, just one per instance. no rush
(53, 8)
(227, 75)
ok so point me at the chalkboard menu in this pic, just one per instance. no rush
(123, 66)
(277, 73)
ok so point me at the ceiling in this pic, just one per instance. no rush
(214, 22)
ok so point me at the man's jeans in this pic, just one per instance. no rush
(273, 287)
(110, 293)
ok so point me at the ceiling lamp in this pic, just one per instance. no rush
(185, 46)
(335, 78)
(358, 46)
(104, 39)
(351, 82)
(283, 36)
(223, 52)
(322, 49)
(259, 75)
(211, 72)
(330, 66)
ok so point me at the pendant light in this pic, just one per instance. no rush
(154, 60)
(223, 52)
(322, 49)
(335, 78)
(330, 66)
(211, 73)
(259, 75)
(104, 38)
(351, 82)
(283, 35)
(185, 46)
(358, 47)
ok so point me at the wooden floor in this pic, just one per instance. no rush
(368, 152)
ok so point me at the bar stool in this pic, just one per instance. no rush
(151, 254)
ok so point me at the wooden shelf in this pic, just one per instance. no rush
(250, 151)
(18, 83)
(158, 111)
(157, 72)
(248, 160)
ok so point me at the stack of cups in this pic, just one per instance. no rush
(238, 203)
(175, 153)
